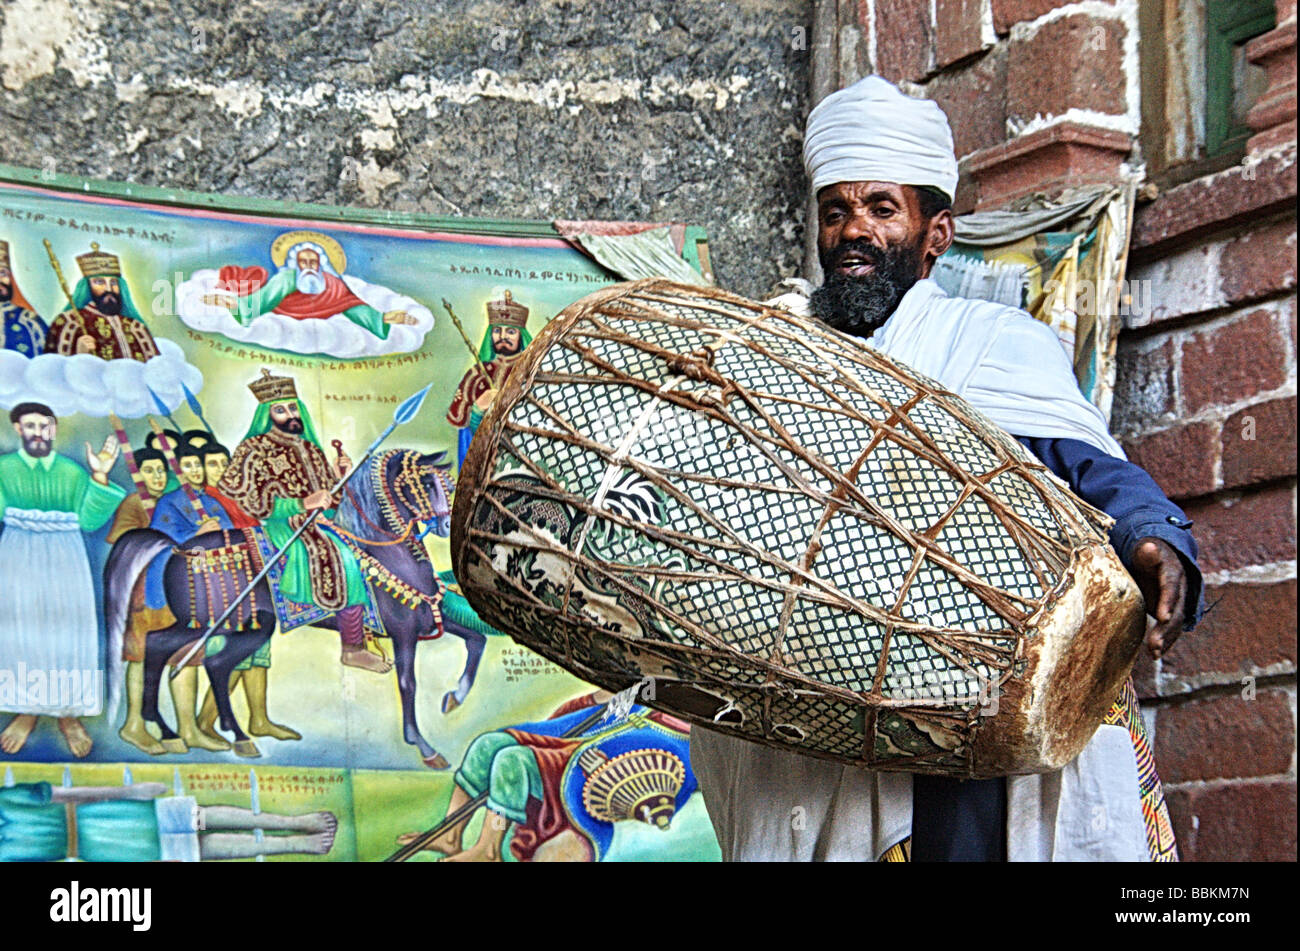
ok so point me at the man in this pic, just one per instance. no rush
(48, 622)
(883, 168)
(21, 329)
(104, 321)
(254, 670)
(177, 515)
(502, 345)
(279, 475)
(216, 460)
(306, 287)
(525, 772)
(133, 513)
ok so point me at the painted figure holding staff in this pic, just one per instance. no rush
(507, 336)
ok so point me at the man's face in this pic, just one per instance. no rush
(6, 285)
(154, 473)
(286, 418)
(506, 341)
(37, 431)
(192, 471)
(107, 294)
(214, 466)
(874, 244)
(309, 279)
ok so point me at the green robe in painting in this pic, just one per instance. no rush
(55, 483)
(281, 291)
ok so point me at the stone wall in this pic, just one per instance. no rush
(660, 110)
(1043, 95)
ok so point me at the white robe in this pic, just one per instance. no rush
(49, 640)
(772, 805)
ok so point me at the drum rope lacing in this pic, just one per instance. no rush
(834, 377)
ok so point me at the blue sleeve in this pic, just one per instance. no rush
(1127, 494)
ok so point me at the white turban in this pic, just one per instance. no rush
(871, 132)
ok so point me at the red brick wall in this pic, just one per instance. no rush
(1206, 402)
(1043, 95)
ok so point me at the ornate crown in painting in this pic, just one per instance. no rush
(273, 389)
(506, 312)
(99, 263)
(4, 255)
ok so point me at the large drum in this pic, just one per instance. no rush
(784, 535)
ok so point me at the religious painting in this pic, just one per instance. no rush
(229, 627)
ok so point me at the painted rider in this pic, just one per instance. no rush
(279, 474)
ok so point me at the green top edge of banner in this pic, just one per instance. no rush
(275, 208)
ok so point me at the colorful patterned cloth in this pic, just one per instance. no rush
(1160, 832)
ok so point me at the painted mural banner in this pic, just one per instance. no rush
(228, 623)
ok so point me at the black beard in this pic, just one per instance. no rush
(6, 292)
(505, 349)
(36, 447)
(291, 426)
(861, 305)
(108, 303)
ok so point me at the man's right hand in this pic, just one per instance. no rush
(227, 301)
(320, 499)
(209, 524)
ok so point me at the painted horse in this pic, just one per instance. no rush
(380, 515)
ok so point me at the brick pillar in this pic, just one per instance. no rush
(1069, 115)
(1273, 117)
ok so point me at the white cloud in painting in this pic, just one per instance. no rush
(335, 336)
(92, 386)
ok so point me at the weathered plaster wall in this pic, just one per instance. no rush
(658, 110)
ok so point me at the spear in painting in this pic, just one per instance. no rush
(162, 408)
(404, 413)
(136, 479)
(463, 336)
(197, 409)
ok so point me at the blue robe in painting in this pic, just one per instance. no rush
(24, 331)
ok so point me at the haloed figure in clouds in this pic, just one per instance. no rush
(46, 628)
(884, 173)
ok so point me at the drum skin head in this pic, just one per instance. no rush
(785, 535)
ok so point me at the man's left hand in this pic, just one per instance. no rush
(1160, 576)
